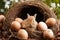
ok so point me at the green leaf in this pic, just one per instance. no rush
(58, 12)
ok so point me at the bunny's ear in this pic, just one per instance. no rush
(35, 15)
(28, 15)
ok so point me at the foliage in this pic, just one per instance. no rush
(58, 12)
(57, 4)
(1, 5)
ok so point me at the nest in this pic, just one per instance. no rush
(20, 10)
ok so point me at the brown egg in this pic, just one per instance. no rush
(42, 26)
(2, 18)
(51, 21)
(22, 34)
(19, 20)
(15, 25)
(48, 34)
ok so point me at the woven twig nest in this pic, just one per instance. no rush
(32, 7)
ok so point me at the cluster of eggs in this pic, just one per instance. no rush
(47, 33)
(23, 34)
(16, 25)
(41, 26)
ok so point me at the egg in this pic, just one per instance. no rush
(51, 21)
(42, 26)
(2, 18)
(22, 34)
(48, 34)
(15, 25)
(19, 20)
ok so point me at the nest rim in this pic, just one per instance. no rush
(16, 9)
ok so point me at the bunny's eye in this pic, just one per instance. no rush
(33, 20)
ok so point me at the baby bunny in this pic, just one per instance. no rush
(30, 22)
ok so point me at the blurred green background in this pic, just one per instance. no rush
(53, 4)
